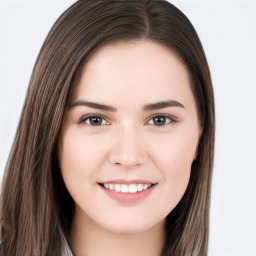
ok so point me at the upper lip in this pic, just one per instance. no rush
(122, 181)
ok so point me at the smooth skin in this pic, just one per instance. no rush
(127, 141)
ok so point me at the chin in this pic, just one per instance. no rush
(132, 227)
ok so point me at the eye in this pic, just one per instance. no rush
(160, 120)
(94, 120)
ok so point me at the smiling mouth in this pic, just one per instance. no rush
(126, 188)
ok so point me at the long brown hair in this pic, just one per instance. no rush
(35, 205)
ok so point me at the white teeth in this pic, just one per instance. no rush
(140, 187)
(111, 186)
(124, 188)
(132, 188)
(117, 187)
(145, 186)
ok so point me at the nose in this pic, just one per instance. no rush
(128, 149)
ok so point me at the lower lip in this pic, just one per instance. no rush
(128, 197)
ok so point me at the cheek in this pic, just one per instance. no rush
(177, 171)
(176, 153)
(79, 156)
(174, 160)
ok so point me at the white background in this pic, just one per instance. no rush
(228, 32)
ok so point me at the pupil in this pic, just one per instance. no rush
(96, 120)
(160, 120)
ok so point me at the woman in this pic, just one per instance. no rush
(114, 149)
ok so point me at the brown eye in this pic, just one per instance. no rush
(160, 120)
(94, 121)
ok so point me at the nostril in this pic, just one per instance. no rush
(127, 159)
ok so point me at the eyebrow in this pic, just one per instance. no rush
(93, 105)
(148, 107)
(163, 104)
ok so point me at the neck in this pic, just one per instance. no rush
(89, 239)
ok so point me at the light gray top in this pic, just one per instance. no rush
(66, 250)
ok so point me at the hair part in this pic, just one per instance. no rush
(35, 204)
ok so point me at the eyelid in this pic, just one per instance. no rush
(83, 119)
(173, 119)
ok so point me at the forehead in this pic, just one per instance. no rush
(143, 70)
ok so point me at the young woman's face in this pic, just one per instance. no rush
(129, 137)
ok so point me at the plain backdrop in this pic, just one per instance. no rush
(227, 30)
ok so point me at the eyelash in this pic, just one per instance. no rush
(88, 117)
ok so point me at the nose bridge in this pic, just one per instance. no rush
(128, 148)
